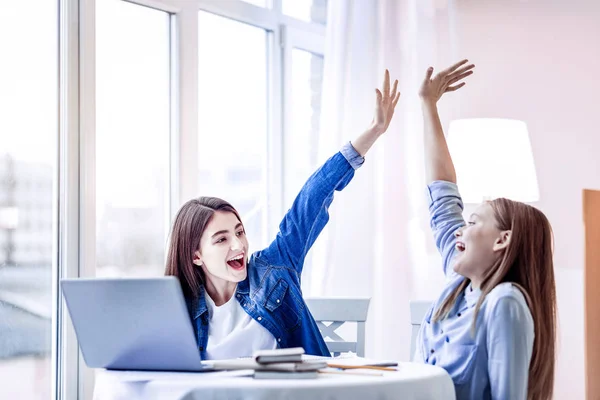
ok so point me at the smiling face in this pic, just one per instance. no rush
(479, 244)
(223, 253)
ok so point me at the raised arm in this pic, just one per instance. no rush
(309, 213)
(445, 203)
(438, 164)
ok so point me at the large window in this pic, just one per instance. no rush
(232, 118)
(28, 152)
(132, 138)
(302, 127)
(303, 64)
(95, 155)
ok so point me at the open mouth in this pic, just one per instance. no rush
(238, 262)
(460, 246)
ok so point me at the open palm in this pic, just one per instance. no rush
(444, 81)
(385, 104)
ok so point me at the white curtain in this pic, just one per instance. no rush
(378, 242)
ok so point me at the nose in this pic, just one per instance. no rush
(236, 244)
(458, 232)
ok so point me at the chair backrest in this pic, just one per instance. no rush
(338, 311)
(418, 309)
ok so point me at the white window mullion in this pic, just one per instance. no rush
(174, 191)
(276, 6)
(87, 163)
(66, 370)
(75, 209)
(188, 103)
(242, 12)
(275, 135)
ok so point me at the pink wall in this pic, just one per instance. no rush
(540, 62)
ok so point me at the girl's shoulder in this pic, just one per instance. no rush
(506, 295)
(505, 290)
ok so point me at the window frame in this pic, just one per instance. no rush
(75, 209)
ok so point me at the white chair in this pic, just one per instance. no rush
(418, 309)
(338, 311)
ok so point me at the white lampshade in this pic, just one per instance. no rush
(493, 158)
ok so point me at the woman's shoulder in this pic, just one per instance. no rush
(505, 290)
(506, 297)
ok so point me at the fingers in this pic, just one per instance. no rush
(462, 70)
(394, 90)
(453, 67)
(386, 84)
(457, 78)
(428, 74)
(396, 100)
(453, 88)
(379, 96)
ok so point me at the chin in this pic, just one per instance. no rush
(238, 276)
(458, 269)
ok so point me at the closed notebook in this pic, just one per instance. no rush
(293, 354)
(248, 363)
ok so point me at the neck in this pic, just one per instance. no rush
(219, 290)
(475, 283)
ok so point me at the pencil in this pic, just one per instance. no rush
(342, 366)
(363, 373)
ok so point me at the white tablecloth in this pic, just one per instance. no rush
(411, 382)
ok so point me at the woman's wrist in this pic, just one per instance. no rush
(374, 131)
(363, 143)
(428, 103)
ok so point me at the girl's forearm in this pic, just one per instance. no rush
(365, 141)
(438, 163)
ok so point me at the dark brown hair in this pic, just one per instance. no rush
(189, 225)
(526, 263)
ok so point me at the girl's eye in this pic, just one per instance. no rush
(220, 240)
(471, 223)
(240, 233)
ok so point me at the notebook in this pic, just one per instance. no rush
(293, 354)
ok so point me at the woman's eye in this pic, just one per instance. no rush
(471, 223)
(220, 240)
(240, 233)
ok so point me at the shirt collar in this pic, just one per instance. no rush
(199, 304)
(472, 295)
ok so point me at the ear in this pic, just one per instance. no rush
(502, 241)
(197, 258)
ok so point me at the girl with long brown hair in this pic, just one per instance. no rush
(493, 327)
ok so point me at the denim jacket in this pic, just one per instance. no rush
(271, 292)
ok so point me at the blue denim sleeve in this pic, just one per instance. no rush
(445, 213)
(309, 213)
(510, 339)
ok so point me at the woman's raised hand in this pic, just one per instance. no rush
(385, 104)
(444, 81)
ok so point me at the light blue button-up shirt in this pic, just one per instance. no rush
(492, 363)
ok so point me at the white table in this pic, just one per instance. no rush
(411, 381)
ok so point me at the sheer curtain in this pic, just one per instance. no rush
(378, 242)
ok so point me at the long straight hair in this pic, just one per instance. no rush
(527, 264)
(184, 239)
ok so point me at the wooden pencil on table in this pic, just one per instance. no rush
(342, 366)
(363, 373)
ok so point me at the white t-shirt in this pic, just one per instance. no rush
(232, 333)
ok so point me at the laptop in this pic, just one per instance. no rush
(132, 324)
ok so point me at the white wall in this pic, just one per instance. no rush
(539, 61)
